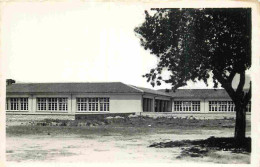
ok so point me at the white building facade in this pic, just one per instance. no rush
(102, 98)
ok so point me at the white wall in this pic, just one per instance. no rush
(119, 103)
(126, 103)
(204, 103)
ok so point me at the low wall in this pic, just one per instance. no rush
(18, 117)
(100, 116)
(38, 117)
(216, 115)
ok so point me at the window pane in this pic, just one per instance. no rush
(63, 104)
(24, 103)
(14, 103)
(42, 103)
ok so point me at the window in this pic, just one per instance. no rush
(92, 104)
(196, 106)
(177, 106)
(213, 105)
(24, 103)
(14, 103)
(42, 104)
(223, 106)
(63, 104)
(82, 104)
(186, 105)
(52, 104)
(17, 104)
(104, 104)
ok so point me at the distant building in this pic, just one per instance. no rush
(111, 97)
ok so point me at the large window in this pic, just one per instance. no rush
(63, 104)
(92, 104)
(82, 104)
(14, 103)
(42, 104)
(17, 104)
(104, 104)
(52, 104)
(178, 106)
(195, 105)
(186, 105)
(24, 103)
(225, 106)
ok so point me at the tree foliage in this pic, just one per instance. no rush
(194, 43)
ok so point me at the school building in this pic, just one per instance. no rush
(55, 100)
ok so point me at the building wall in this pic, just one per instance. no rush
(204, 103)
(119, 103)
(155, 98)
(126, 104)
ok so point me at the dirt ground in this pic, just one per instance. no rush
(110, 143)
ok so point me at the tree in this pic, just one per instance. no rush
(195, 44)
(9, 81)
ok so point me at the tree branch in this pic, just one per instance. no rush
(248, 95)
(241, 83)
(231, 76)
(226, 85)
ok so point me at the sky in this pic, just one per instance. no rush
(76, 42)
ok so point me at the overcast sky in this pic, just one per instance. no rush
(75, 42)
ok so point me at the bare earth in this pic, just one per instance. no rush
(114, 144)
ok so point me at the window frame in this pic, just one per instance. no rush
(187, 106)
(51, 104)
(92, 104)
(221, 106)
(17, 104)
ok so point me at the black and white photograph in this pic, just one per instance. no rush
(104, 82)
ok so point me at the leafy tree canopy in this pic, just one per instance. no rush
(192, 43)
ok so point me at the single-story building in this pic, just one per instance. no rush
(69, 99)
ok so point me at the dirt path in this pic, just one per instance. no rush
(112, 147)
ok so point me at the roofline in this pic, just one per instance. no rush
(60, 82)
(135, 88)
(74, 92)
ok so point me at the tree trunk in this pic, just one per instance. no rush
(240, 127)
